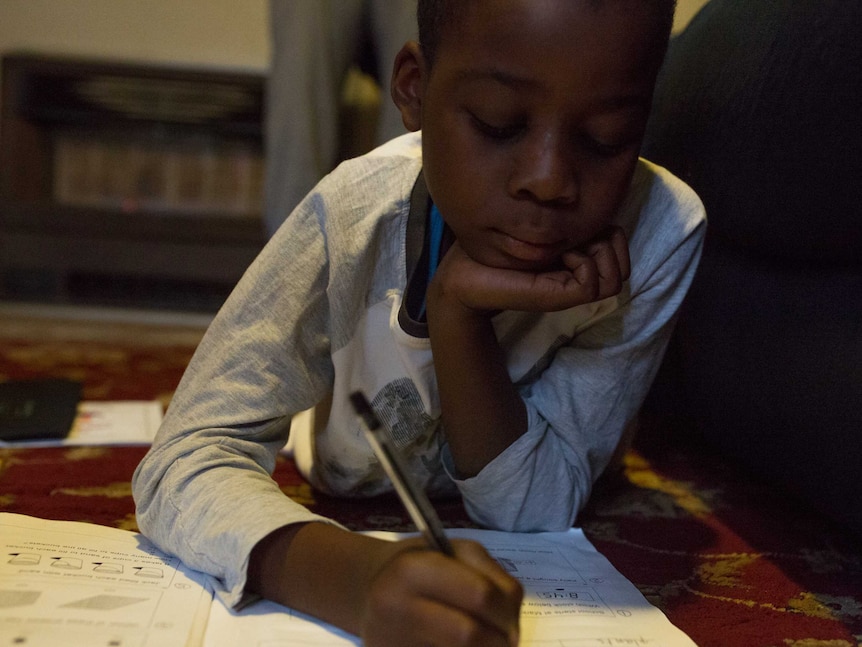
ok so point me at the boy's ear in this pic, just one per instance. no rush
(408, 76)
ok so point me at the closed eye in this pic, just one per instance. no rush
(498, 133)
(605, 149)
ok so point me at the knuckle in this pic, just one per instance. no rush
(465, 632)
(485, 594)
(407, 566)
(614, 285)
(514, 590)
(384, 602)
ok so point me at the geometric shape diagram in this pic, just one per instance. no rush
(508, 564)
(104, 602)
(68, 563)
(149, 571)
(101, 567)
(10, 599)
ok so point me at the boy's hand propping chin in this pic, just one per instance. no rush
(592, 273)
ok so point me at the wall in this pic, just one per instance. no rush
(231, 34)
(220, 34)
(212, 33)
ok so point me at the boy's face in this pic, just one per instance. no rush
(532, 117)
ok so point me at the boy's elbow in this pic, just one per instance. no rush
(528, 519)
(146, 482)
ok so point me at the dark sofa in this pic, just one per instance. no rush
(759, 108)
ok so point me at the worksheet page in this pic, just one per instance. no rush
(573, 597)
(70, 584)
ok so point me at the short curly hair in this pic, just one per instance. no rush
(434, 16)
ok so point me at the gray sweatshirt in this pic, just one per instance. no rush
(321, 313)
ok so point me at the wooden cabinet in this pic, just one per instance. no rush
(128, 185)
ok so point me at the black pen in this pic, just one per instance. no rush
(412, 496)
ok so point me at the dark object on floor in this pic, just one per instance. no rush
(38, 409)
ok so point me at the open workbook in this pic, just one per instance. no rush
(69, 584)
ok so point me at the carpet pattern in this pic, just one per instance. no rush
(729, 560)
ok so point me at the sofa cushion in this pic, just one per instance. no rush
(759, 107)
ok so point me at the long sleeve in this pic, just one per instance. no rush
(595, 382)
(204, 491)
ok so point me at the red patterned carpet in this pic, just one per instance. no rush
(731, 562)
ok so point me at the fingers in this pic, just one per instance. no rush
(621, 249)
(506, 594)
(589, 274)
(601, 267)
(424, 597)
(610, 254)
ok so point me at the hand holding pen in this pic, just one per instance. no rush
(456, 585)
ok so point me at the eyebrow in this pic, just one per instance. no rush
(495, 74)
(516, 82)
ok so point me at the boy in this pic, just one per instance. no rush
(502, 288)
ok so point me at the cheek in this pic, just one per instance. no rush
(459, 181)
(603, 191)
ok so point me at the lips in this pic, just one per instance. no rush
(531, 251)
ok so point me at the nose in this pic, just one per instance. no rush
(544, 171)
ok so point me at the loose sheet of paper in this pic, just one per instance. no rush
(69, 584)
(116, 423)
(573, 597)
(122, 422)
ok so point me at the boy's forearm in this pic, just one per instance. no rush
(482, 411)
(318, 569)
